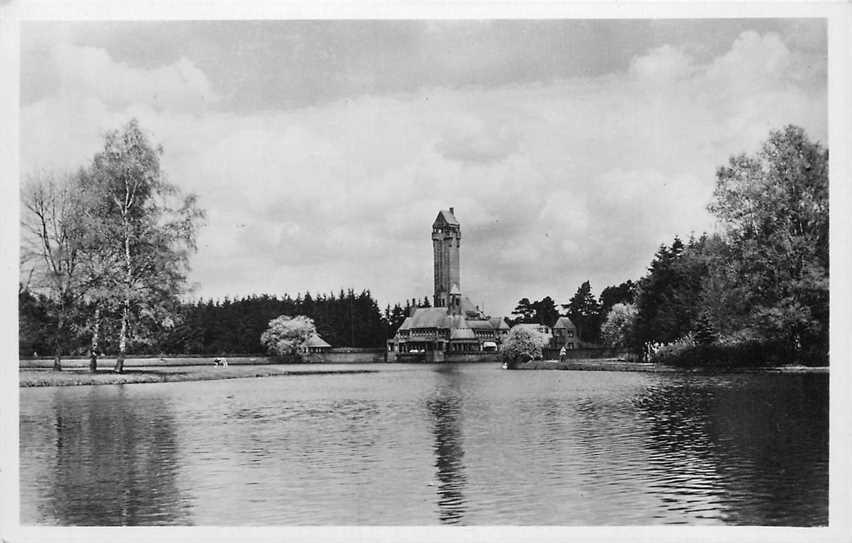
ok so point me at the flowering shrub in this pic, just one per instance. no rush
(522, 345)
(286, 336)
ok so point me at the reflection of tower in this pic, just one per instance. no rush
(446, 411)
(446, 239)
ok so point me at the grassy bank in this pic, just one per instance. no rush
(621, 365)
(78, 376)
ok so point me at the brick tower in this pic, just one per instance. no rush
(446, 238)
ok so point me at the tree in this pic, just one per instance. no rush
(525, 311)
(617, 328)
(286, 336)
(51, 247)
(545, 311)
(522, 344)
(669, 296)
(625, 293)
(704, 332)
(584, 312)
(774, 207)
(150, 224)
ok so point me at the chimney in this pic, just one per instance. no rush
(452, 211)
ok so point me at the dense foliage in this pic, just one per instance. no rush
(105, 249)
(522, 344)
(755, 291)
(759, 290)
(617, 328)
(285, 336)
(229, 326)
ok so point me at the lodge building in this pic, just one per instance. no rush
(454, 325)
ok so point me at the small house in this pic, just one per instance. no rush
(316, 344)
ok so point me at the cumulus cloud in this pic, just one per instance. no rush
(474, 141)
(554, 182)
(89, 73)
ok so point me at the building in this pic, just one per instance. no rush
(454, 325)
(565, 334)
(542, 329)
(316, 344)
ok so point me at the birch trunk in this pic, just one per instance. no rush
(128, 269)
(57, 345)
(93, 361)
(122, 340)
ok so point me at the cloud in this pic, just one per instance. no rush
(661, 65)
(474, 141)
(555, 182)
(89, 73)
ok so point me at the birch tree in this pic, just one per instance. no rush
(149, 223)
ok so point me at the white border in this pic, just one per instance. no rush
(839, 15)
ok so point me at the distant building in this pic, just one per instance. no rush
(565, 334)
(316, 344)
(454, 324)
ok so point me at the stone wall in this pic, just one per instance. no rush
(348, 356)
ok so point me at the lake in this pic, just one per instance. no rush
(466, 444)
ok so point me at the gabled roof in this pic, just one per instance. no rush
(499, 323)
(479, 324)
(564, 322)
(316, 341)
(406, 324)
(429, 317)
(445, 216)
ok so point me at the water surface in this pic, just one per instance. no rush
(429, 444)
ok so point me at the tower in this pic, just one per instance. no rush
(446, 239)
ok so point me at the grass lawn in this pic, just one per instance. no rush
(81, 376)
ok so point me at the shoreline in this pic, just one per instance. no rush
(40, 377)
(183, 369)
(614, 364)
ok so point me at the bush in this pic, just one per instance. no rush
(522, 345)
(686, 352)
(286, 336)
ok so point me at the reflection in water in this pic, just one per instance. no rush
(115, 463)
(445, 407)
(430, 444)
(758, 446)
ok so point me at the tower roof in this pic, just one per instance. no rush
(446, 216)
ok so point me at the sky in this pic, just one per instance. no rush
(323, 150)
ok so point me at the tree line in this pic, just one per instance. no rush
(105, 253)
(755, 290)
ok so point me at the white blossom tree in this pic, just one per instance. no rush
(286, 336)
(522, 344)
